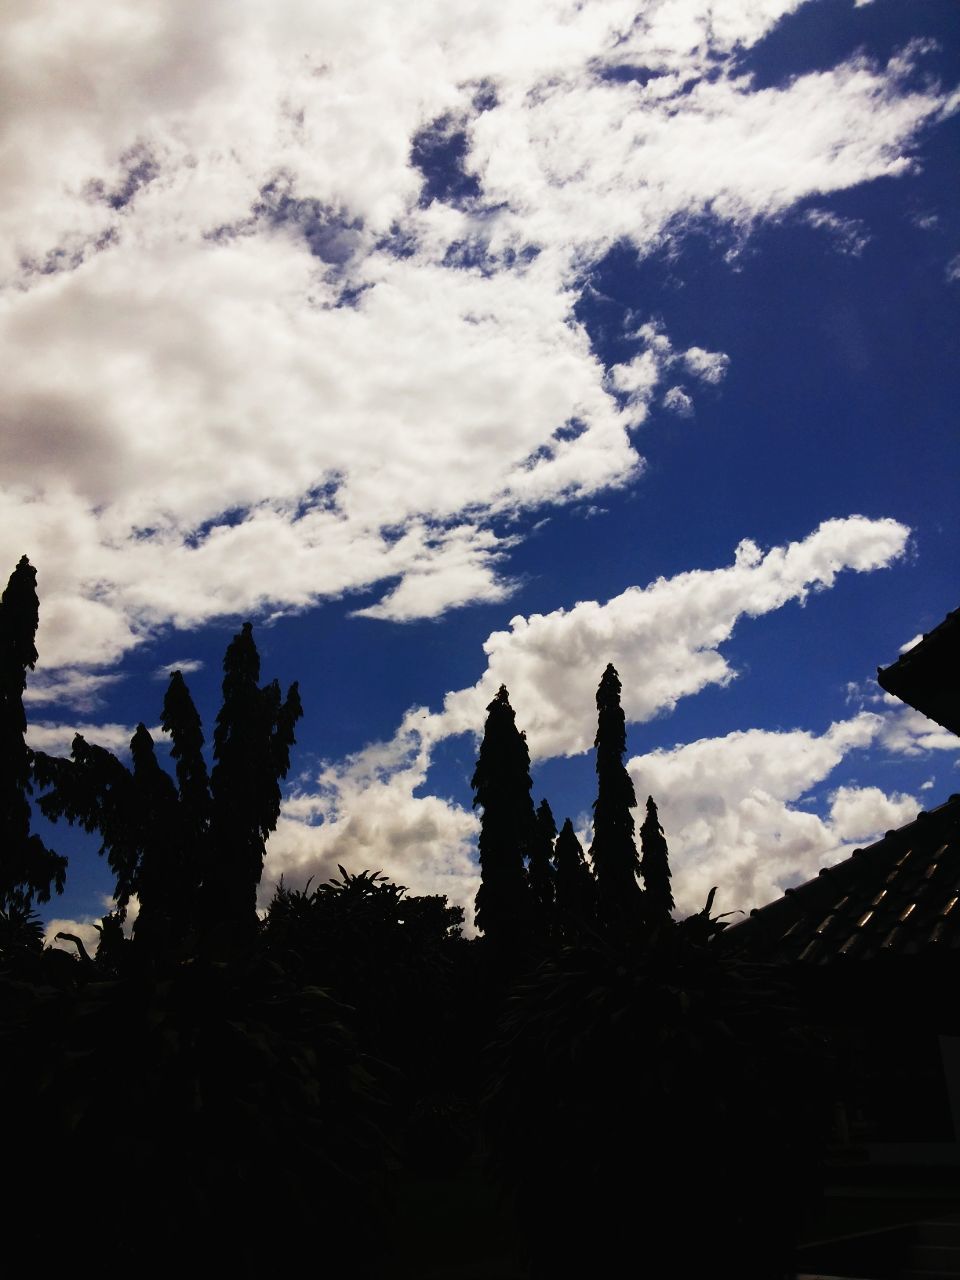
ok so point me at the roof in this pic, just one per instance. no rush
(900, 896)
(928, 675)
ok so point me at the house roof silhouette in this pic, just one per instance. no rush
(901, 895)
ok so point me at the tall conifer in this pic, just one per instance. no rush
(614, 852)
(576, 887)
(181, 720)
(252, 740)
(28, 869)
(540, 874)
(164, 896)
(501, 785)
(655, 867)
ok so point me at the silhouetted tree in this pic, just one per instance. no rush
(254, 733)
(540, 874)
(182, 721)
(95, 790)
(576, 887)
(501, 784)
(613, 852)
(655, 867)
(165, 887)
(28, 869)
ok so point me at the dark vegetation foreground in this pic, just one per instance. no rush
(590, 1088)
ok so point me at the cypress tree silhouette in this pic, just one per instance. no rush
(613, 852)
(655, 867)
(501, 785)
(181, 721)
(252, 741)
(540, 874)
(28, 868)
(162, 877)
(576, 887)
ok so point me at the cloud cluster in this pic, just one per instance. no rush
(261, 262)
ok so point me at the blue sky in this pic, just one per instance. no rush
(459, 347)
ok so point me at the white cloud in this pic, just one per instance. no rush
(910, 643)
(729, 809)
(861, 813)
(678, 402)
(81, 690)
(85, 929)
(848, 233)
(953, 269)
(186, 667)
(192, 425)
(57, 738)
(364, 815)
(664, 639)
(710, 366)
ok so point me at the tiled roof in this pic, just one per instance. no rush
(900, 896)
(928, 675)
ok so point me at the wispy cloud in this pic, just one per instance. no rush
(186, 667)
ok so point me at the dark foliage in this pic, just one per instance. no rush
(501, 785)
(613, 852)
(218, 1079)
(576, 888)
(28, 869)
(671, 1114)
(192, 851)
(399, 962)
(203, 1106)
(540, 873)
(655, 868)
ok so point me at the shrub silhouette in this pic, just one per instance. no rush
(648, 1098)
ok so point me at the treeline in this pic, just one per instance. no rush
(634, 1095)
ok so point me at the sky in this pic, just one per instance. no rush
(459, 345)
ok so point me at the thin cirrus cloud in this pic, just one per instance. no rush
(226, 363)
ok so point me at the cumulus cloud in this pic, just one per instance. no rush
(363, 814)
(226, 364)
(85, 929)
(731, 808)
(678, 402)
(664, 638)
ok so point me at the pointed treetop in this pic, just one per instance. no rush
(545, 819)
(28, 870)
(616, 863)
(508, 829)
(655, 866)
(19, 619)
